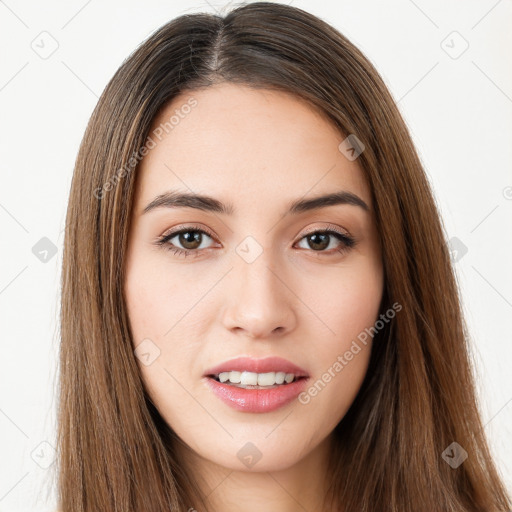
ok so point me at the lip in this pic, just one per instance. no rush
(265, 365)
(257, 400)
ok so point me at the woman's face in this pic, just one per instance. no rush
(260, 279)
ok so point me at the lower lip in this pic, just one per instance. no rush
(257, 400)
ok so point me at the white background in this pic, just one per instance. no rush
(459, 111)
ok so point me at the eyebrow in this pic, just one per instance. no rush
(175, 199)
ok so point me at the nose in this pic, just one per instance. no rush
(260, 302)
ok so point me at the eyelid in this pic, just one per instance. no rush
(187, 227)
(329, 227)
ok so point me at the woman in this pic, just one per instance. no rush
(258, 305)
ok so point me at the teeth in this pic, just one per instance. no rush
(234, 377)
(280, 377)
(256, 379)
(248, 379)
(266, 379)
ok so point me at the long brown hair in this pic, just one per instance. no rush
(115, 452)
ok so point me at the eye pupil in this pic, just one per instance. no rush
(195, 239)
(316, 243)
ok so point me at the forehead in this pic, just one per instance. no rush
(233, 141)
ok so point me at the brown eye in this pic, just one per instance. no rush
(190, 239)
(185, 241)
(319, 241)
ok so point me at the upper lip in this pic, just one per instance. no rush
(265, 365)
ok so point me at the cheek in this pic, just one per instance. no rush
(165, 324)
(146, 306)
(345, 300)
(156, 297)
(155, 309)
(354, 304)
(349, 306)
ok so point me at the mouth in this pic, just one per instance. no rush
(256, 385)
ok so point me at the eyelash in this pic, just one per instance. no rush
(348, 242)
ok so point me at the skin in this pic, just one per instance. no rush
(259, 150)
